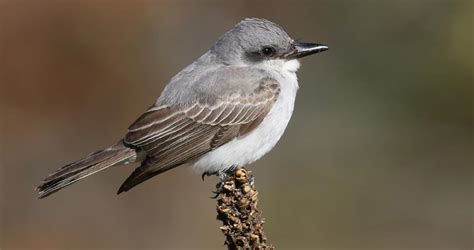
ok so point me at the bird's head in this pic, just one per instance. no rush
(255, 40)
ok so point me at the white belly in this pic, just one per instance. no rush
(251, 147)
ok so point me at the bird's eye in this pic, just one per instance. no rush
(268, 51)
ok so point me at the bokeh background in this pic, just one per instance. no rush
(378, 154)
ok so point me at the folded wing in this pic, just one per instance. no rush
(173, 135)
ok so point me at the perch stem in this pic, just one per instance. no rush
(237, 209)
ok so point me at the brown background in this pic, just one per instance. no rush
(378, 154)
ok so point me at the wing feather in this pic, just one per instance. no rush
(174, 135)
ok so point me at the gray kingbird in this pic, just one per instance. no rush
(226, 109)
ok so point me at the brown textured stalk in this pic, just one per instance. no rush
(237, 209)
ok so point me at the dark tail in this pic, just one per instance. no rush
(93, 163)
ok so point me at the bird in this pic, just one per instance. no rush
(225, 110)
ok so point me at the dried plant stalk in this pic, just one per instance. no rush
(237, 209)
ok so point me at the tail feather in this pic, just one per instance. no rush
(91, 164)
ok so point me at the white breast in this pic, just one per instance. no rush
(247, 149)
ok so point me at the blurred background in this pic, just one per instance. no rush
(378, 154)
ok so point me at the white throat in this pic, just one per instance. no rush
(290, 66)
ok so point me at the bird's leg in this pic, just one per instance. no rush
(223, 175)
(252, 180)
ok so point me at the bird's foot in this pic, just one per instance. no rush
(207, 174)
(221, 186)
(252, 180)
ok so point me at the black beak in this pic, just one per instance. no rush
(305, 49)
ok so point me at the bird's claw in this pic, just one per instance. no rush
(207, 174)
(220, 186)
(216, 194)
